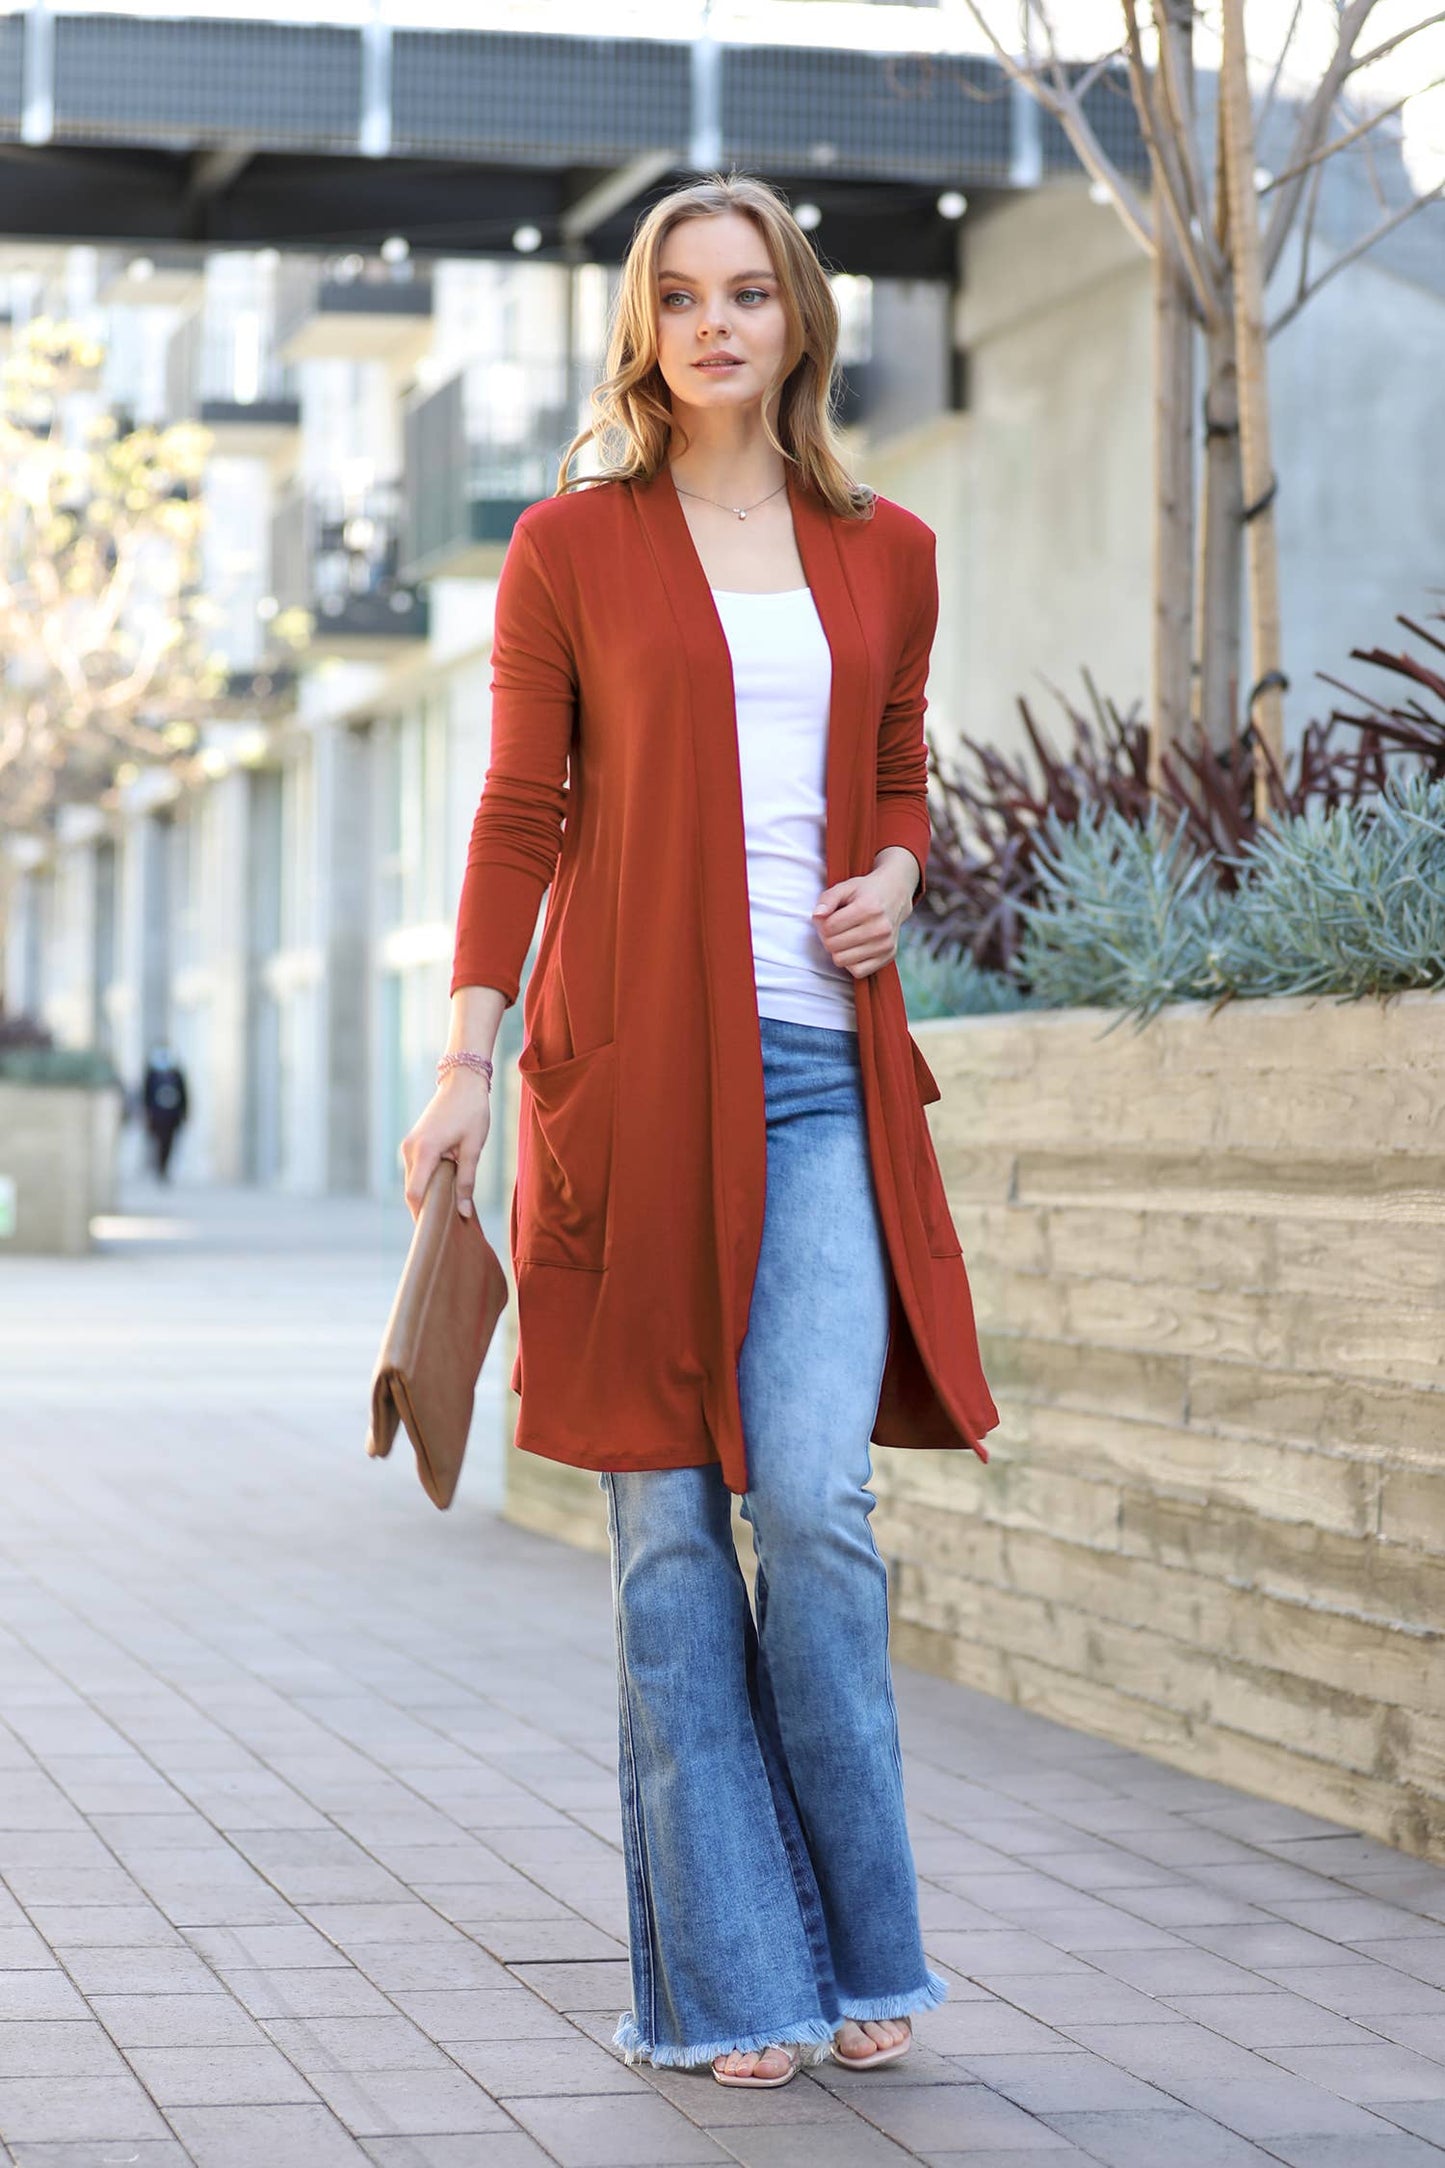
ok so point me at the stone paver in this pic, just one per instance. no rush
(309, 1830)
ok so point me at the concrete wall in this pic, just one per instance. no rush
(57, 1148)
(1361, 513)
(1209, 1266)
(1040, 491)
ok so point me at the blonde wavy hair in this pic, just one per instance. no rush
(632, 419)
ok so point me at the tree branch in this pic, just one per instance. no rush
(1356, 250)
(1063, 104)
(1310, 132)
(1352, 135)
(1182, 120)
(1307, 233)
(1171, 185)
(1267, 103)
(1378, 52)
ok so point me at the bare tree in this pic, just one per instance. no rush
(1215, 250)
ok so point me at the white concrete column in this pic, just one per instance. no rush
(210, 979)
(71, 991)
(139, 997)
(24, 881)
(344, 825)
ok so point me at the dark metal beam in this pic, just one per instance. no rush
(136, 198)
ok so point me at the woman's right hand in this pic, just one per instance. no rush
(453, 1125)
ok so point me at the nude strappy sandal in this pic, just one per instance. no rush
(790, 2048)
(895, 2054)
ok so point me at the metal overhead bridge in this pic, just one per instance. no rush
(214, 133)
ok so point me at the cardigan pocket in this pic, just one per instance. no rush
(928, 1088)
(928, 1176)
(564, 1160)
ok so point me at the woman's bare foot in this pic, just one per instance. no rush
(754, 2063)
(861, 2042)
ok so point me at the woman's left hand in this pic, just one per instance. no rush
(858, 919)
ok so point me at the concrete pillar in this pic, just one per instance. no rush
(210, 984)
(262, 1162)
(344, 823)
(71, 988)
(24, 868)
(139, 999)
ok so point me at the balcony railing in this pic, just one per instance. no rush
(479, 450)
(335, 553)
(223, 370)
(352, 308)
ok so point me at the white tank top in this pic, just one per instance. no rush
(782, 680)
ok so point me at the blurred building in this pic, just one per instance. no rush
(379, 422)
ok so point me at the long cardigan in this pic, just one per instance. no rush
(613, 778)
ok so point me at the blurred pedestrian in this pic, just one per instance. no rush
(165, 1104)
(735, 1262)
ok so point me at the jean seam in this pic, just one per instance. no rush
(791, 1830)
(634, 1803)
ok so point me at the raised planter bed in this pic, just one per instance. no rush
(57, 1164)
(1209, 1265)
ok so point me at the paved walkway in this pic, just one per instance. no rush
(308, 1824)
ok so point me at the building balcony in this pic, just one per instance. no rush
(479, 450)
(335, 554)
(223, 372)
(152, 278)
(352, 308)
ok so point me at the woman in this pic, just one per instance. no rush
(734, 1259)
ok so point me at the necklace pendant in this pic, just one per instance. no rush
(741, 515)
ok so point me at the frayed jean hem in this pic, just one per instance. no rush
(814, 2035)
(879, 2007)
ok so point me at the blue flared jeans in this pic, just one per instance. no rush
(770, 1880)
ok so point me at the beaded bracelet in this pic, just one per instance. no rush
(464, 1058)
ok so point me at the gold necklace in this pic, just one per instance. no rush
(742, 510)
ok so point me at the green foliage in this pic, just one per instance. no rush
(78, 1068)
(1348, 902)
(1344, 902)
(1126, 914)
(951, 984)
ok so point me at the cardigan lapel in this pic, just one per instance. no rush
(740, 1122)
(849, 768)
(707, 705)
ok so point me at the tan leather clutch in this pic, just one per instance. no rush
(452, 1291)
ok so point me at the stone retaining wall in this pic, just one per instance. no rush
(1209, 1265)
(58, 1149)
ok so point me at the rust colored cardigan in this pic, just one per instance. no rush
(614, 781)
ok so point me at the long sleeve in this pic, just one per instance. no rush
(902, 754)
(517, 833)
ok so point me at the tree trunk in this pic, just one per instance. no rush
(1221, 596)
(1174, 508)
(1266, 702)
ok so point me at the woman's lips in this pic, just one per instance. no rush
(721, 362)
